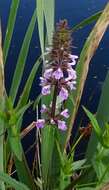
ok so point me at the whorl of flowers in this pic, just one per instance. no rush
(58, 75)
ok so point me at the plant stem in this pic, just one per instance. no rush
(54, 101)
(2, 104)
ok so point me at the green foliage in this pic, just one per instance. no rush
(10, 27)
(57, 167)
(12, 182)
(22, 59)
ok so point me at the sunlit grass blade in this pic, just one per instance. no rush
(2, 107)
(87, 21)
(26, 91)
(82, 68)
(10, 27)
(12, 182)
(49, 18)
(40, 20)
(22, 59)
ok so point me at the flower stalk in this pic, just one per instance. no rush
(59, 75)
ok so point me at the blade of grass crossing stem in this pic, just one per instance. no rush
(26, 91)
(10, 27)
(2, 107)
(49, 18)
(82, 68)
(22, 59)
(40, 20)
(12, 182)
(87, 21)
(102, 116)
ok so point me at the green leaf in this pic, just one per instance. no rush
(40, 20)
(2, 108)
(87, 21)
(78, 164)
(10, 27)
(47, 145)
(15, 184)
(16, 146)
(49, 18)
(102, 116)
(94, 122)
(26, 91)
(103, 108)
(22, 59)
(24, 173)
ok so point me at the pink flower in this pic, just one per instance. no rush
(43, 81)
(65, 113)
(63, 94)
(72, 73)
(71, 85)
(40, 123)
(58, 74)
(73, 57)
(62, 125)
(48, 73)
(46, 90)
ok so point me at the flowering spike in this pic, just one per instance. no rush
(59, 75)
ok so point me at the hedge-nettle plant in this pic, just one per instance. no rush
(59, 77)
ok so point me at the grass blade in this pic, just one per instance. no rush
(22, 59)
(25, 94)
(2, 107)
(10, 27)
(87, 21)
(102, 116)
(40, 20)
(83, 64)
(49, 18)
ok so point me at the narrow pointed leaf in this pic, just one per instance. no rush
(49, 18)
(12, 182)
(10, 27)
(40, 20)
(87, 21)
(2, 107)
(26, 91)
(22, 59)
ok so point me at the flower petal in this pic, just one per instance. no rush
(58, 74)
(63, 94)
(40, 123)
(62, 125)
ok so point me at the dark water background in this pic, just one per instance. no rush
(74, 11)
